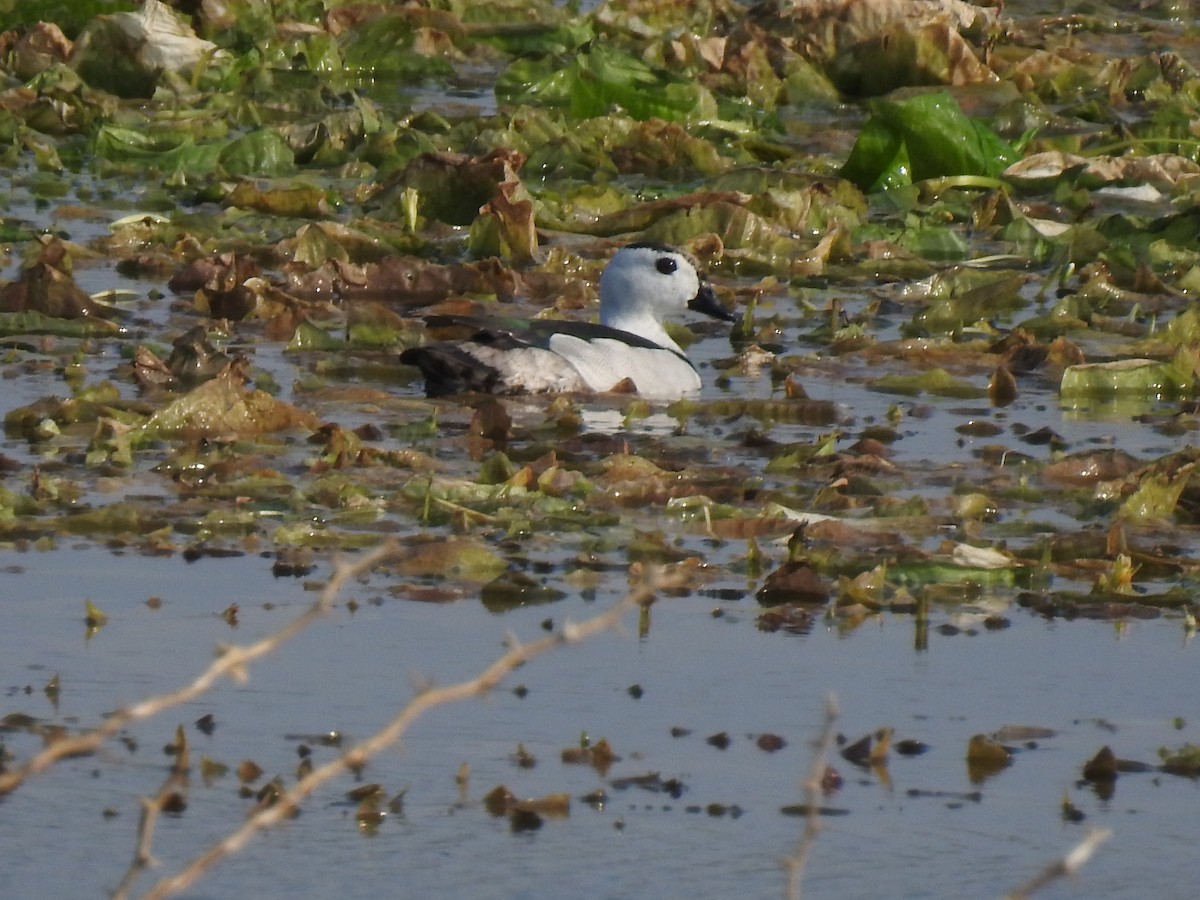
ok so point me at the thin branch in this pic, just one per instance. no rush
(232, 663)
(794, 865)
(1068, 865)
(151, 809)
(640, 594)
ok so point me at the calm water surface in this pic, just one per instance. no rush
(1093, 683)
(702, 665)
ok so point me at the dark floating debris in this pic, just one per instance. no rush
(721, 740)
(1070, 812)
(804, 809)
(331, 738)
(871, 749)
(794, 582)
(831, 780)
(964, 796)
(293, 562)
(787, 617)
(1011, 733)
(652, 782)
(770, 743)
(720, 810)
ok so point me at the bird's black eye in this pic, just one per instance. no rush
(666, 265)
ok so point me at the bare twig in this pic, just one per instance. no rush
(794, 865)
(1068, 865)
(640, 595)
(232, 662)
(151, 808)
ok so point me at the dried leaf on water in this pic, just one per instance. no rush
(599, 756)
(224, 407)
(1102, 766)
(985, 758)
(794, 582)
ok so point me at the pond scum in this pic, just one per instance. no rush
(962, 227)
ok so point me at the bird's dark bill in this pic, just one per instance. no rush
(706, 302)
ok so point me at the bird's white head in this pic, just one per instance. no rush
(643, 283)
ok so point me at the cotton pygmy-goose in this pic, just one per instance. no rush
(628, 351)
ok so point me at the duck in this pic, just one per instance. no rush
(628, 351)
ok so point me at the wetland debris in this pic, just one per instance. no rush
(94, 618)
(1183, 760)
(770, 743)
(599, 756)
(985, 758)
(721, 740)
(525, 815)
(870, 750)
(652, 782)
(794, 582)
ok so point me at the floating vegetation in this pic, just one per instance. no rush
(961, 242)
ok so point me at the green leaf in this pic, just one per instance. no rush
(598, 79)
(938, 382)
(922, 137)
(258, 154)
(1156, 496)
(176, 154)
(535, 38)
(1147, 378)
(384, 45)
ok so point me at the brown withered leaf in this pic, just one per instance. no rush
(558, 805)
(1090, 467)
(1002, 389)
(1102, 766)
(515, 215)
(248, 771)
(794, 582)
(43, 287)
(410, 281)
(599, 756)
(498, 800)
(770, 743)
(35, 51)
(491, 421)
(151, 372)
(985, 758)
(224, 406)
(901, 54)
(643, 215)
(218, 273)
(453, 187)
(193, 358)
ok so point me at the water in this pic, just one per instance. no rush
(702, 666)
(1091, 682)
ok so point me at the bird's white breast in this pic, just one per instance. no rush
(604, 362)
